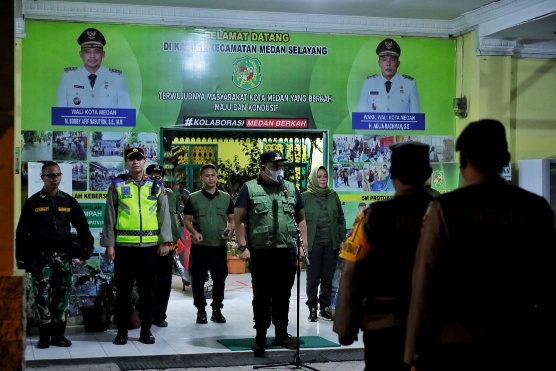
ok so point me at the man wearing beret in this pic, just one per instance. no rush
(378, 259)
(270, 241)
(92, 85)
(136, 232)
(389, 92)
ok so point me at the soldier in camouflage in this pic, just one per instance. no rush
(44, 248)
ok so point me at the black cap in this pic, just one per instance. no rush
(410, 162)
(134, 152)
(272, 156)
(484, 142)
(155, 168)
(388, 47)
(91, 38)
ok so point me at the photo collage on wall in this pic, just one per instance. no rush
(96, 157)
(362, 162)
(361, 168)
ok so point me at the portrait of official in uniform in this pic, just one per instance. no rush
(389, 91)
(92, 85)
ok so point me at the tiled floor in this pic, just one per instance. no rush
(183, 335)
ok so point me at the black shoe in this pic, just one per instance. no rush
(217, 316)
(160, 323)
(60, 341)
(326, 316)
(121, 338)
(312, 314)
(259, 346)
(286, 342)
(43, 342)
(146, 338)
(202, 317)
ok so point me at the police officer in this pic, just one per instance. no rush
(389, 92)
(43, 237)
(208, 216)
(92, 85)
(163, 283)
(270, 240)
(484, 277)
(378, 262)
(136, 232)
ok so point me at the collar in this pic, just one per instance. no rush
(208, 194)
(44, 193)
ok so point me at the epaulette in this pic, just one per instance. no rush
(408, 77)
(121, 178)
(113, 70)
(68, 69)
(372, 76)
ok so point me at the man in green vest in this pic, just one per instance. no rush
(137, 230)
(208, 216)
(163, 283)
(270, 240)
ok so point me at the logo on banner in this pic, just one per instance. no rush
(437, 178)
(247, 73)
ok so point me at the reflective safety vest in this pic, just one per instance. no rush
(137, 219)
(269, 222)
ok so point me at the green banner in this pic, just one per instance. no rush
(172, 74)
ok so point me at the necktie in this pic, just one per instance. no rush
(387, 83)
(92, 79)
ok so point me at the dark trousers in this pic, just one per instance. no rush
(135, 263)
(213, 259)
(384, 349)
(272, 277)
(320, 272)
(163, 286)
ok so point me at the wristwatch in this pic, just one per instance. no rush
(241, 248)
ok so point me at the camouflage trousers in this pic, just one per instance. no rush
(51, 284)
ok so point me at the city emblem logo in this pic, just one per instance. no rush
(437, 178)
(247, 73)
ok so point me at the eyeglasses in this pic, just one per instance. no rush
(53, 175)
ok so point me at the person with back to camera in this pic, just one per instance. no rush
(389, 92)
(326, 232)
(163, 282)
(484, 281)
(270, 241)
(136, 232)
(43, 242)
(92, 85)
(209, 217)
(375, 287)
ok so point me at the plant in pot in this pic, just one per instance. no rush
(98, 317)
(235, 264)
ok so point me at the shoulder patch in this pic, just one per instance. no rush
(408, 77)
(113, 70)
(68, 69)
(372, 76)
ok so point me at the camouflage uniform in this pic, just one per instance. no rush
(43, 238)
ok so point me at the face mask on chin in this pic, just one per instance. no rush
(274, 174)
